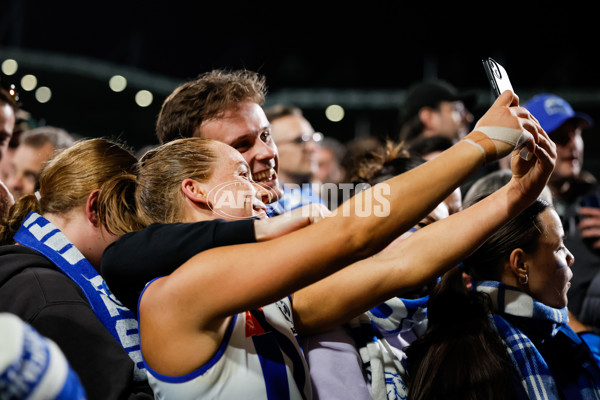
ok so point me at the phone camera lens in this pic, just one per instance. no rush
(496, 71)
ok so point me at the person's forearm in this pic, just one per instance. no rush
(439, 246)
(407, 265)
(409, 197)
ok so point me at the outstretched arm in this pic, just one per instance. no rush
(423, 256)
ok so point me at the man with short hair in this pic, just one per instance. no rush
(227, 106)
(297, 143)
(36, 146)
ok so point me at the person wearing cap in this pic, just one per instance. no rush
(575, 194)
(436, 108)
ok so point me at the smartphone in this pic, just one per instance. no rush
(497, 76)
(500, 83)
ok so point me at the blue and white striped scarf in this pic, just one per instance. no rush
(41, 235)
(382, 364)
(399, 315)
(533, 370)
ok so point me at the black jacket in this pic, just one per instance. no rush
(157, 250)
(33, 288)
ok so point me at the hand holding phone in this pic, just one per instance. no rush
(500, 82)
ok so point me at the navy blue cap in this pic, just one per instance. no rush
(552, 111)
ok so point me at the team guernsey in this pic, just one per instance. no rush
(259, 358)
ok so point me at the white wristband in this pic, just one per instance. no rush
(514, 137)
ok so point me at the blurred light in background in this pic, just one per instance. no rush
(117, 83)
(43, 94)
(9, 67)
(28, 82)
(143, 98)
(334, 113)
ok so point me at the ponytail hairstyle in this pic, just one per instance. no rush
(160, 172)
(67, 180)
(375, 166)
(522, 232)
(461, 356)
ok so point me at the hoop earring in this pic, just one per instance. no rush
(523, 281)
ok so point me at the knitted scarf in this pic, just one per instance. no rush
(372, 331)
(399, 315)
(41, 235)
(511, 304)
(382, 368)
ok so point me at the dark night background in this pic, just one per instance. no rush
(361, 56)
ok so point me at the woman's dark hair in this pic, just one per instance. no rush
(521, 232)
(461, 356)
(373, 167)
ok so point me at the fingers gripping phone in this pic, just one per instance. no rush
(500, 82)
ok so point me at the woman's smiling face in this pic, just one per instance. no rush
(233, 194)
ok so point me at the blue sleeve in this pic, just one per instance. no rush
(593, 342)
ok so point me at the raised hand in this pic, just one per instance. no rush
(590, 226)
(504, 128)
(531, 176)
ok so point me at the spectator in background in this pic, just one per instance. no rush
(436, 108)
(329, 161)
(329, 156)
(36, 146)
(23, 123)
(575, 195)
(297, 143)
(9, 104)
